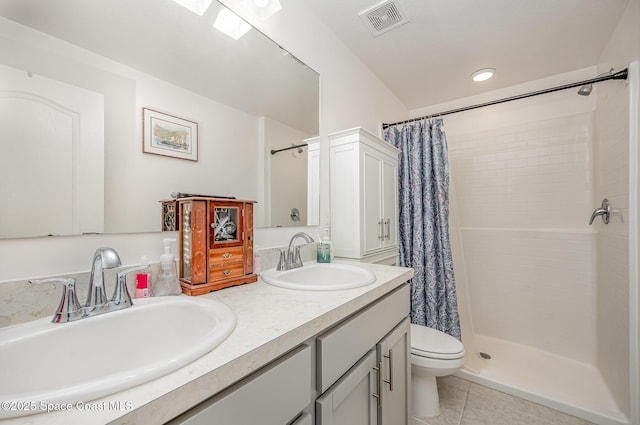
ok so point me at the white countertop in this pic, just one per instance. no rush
(271, 321)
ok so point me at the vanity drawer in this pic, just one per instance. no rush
(274, 395)
(342, 346)
(226, 271)
(225, 255)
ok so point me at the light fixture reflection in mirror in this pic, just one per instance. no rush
(199, 7)
(231, 24)
(262, 8)
(228, 88)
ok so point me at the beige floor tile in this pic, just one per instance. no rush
(486, 406)
(466, 403)
(453, 395)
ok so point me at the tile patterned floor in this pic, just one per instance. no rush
(466, 403)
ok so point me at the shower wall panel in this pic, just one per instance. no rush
(524, 193)
(612, 182)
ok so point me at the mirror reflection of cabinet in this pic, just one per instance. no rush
(216, 244)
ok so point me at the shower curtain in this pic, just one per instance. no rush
(424, 223)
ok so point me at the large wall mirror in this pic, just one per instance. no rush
(75, 77)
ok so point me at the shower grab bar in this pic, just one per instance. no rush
(604, 211)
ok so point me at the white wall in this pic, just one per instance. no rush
(226, 166)
(350, 96)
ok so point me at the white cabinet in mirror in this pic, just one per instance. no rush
(246, 96)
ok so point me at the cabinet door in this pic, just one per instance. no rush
(390, 203)
(227, 224)
(352, 400)
(371, 193)
(193, 242)
(394, 353)
(305, 419)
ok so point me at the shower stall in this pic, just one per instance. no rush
(546, 300)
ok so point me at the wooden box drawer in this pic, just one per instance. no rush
(226, 271)
(225, 255)
(342, 346)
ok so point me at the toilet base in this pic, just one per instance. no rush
(424, 389)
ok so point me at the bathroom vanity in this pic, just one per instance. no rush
(359, 372)
(295, 356)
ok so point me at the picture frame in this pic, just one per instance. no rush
(169, 135)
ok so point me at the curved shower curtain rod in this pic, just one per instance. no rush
(620, 75)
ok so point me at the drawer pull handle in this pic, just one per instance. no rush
(381, 234)
(226, 272)
(227, 255)
(390, 380)
(378, 383)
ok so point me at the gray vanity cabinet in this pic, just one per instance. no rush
(362, 377)
(363, 366)
(275, 395)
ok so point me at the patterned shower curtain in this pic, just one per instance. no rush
(424, 223)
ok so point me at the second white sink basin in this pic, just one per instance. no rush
(320, 277)
(43, 362)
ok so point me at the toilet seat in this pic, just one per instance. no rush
(434, 344)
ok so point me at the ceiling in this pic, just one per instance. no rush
(429, 60)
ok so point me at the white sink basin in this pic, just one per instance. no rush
(320, 277)
(43, 362)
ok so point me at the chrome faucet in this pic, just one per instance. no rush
(97, 302)
(290, 259)
(103, 258)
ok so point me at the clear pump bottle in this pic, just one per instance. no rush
(166, 283)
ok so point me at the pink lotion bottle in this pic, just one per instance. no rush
(142, 285)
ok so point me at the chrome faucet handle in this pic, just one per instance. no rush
(69, 308)
(282, 261)
(296, 261)
(604, 211)
(121, 297)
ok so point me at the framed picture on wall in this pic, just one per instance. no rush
(168, 135)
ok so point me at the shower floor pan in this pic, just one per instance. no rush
(560, 383)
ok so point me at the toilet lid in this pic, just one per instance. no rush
(429, 342)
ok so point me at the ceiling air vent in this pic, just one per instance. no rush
(383, 17)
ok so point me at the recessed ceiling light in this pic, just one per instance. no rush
(483, 74)
(231, 24)
(196, 6)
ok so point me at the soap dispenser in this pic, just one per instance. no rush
(325, 248)
(167, 282)
(326, 239)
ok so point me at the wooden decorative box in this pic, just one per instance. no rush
(216, 244)
(170, 218)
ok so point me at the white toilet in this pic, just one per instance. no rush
(433, 353)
